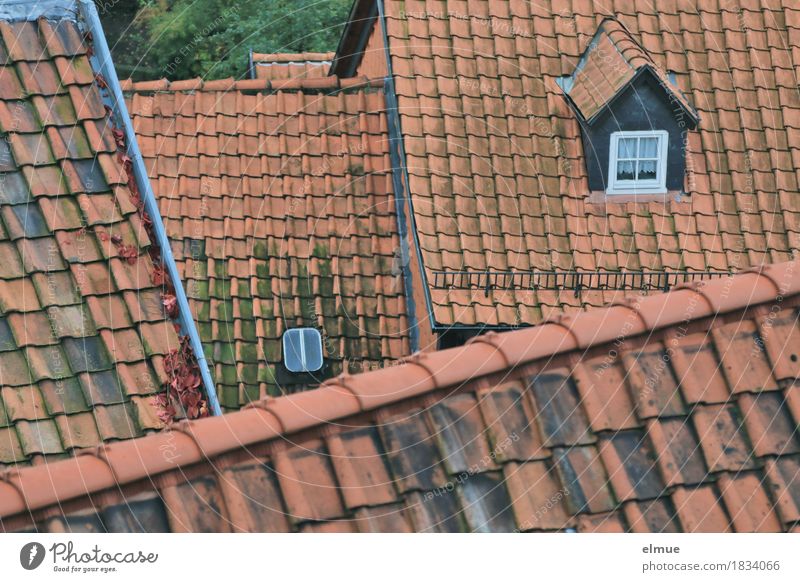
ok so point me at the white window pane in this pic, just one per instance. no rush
(647, 170)
(648, 147)
(626, 147)
(302, 350)
(313, 351)
(293, 352)
(625, 170)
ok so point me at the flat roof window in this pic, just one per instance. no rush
(302, 350)
(637, 162)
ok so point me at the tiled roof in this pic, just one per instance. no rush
(610, 62)
(494, 156)
(281, 212)
(279, 66)
(83, 332)
(677, 412)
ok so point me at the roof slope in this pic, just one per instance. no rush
(281, 212)
(83, 332)
(494, 156)
(278, 66)
(677, 412)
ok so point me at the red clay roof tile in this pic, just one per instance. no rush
(748, 504)
(550, 184)
(699, 511)
(196, 505)
(678, 451)
(252, 499)
(359, 467)
(536, 496)
(329, 211)
(308, 483)
(509, 419)
(61, 147)
(696, 472)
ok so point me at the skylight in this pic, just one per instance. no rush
(302, 350)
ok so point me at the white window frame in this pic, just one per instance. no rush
(657, 186)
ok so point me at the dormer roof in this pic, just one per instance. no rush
(611, 63)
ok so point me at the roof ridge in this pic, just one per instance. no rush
(292, 57)
(620, 28)
(126, 462)
(230, 84)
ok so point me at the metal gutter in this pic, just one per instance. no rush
(399, 176)
(120, 109)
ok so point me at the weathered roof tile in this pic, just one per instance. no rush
(312, 233)
(364, 468)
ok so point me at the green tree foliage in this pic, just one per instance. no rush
(212, 38)
(127, 38)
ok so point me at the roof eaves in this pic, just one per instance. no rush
(105, 67)
(127, 462)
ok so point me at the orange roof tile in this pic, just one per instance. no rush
(74, 371)
(281, 212)
(480, 437)
(495, 164)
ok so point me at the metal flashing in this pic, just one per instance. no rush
(400, 181)
(105, 66)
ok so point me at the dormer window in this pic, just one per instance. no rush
(638, 162)
(633, 119)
